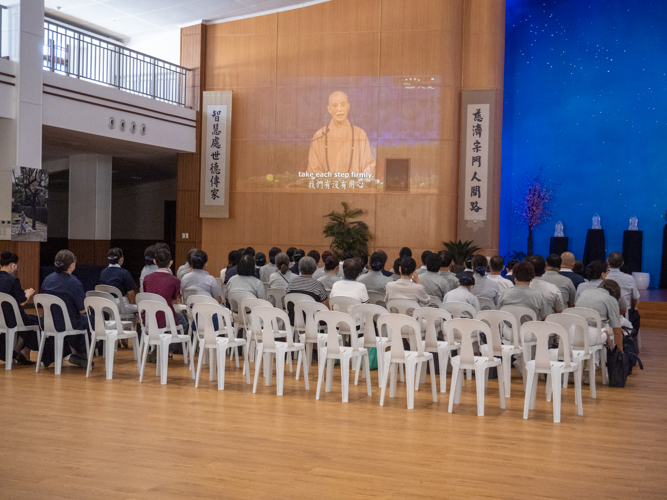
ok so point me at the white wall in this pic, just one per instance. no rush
(165, 46)
(137, 212)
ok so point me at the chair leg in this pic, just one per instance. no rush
(357, 367)
(320, 371)
(410, 372)
(380, 357)
(268, 367)
(530, 375)
(144, 355)
(258, 364)
(164, 361)
(555, 384)
(90, 354)
(136, 349)
(533, 391)
(501, 384)
(385, 375)
(367, 372)
(58, 344)
(434, 385)
(591, 375)
(443, 361)
(222, 360)
(246, 363)
(507, 373)
(400, 370)
(329, 380)
(480, 381)
(200, 360)
(305, 373)
(418, 374)
(212, 363)
(577, 393)
(10, 334)
(392, 383)
(42, 340)
(453, 388)
(108, 361)
(603, 366)
(280, 370)
(344, 377)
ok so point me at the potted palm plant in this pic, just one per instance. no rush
(347, 235)
(461, 250)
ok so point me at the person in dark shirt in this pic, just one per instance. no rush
(68, 288)
(115, 275)
(9, 284)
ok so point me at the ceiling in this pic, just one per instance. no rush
(127, 19)
(133, 163)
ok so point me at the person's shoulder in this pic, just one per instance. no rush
(319, 134)
(360, 132)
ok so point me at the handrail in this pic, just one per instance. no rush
(77, 54)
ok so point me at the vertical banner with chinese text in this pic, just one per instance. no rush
(216, 141)
(478, 181)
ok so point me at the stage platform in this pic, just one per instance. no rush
(653, 308)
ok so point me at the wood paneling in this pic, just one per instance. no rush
(253, 113)
(422, 15)
(337, 16)
(240, 61)
(262, 25)
(28, 252)
(90, 252)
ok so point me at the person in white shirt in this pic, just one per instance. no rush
(349, 286)
(627, 283)
(564, 284)
(496, 266)
(484, 287)
(407, 287)
(552, 296)
(463, 293)
(605, 300)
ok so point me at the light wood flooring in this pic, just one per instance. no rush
(71, 437)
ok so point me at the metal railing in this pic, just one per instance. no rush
(2, 7)
(79, 55)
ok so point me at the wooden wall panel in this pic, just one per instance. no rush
(253, 113)
(240, 61)
(263, 25)
(422, 15)
(90, 252)
(338, 16)
(28, 252)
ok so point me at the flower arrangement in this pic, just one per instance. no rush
(532, 207)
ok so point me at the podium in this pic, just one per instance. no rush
(558, 244)
(632, 250)
(594, 249)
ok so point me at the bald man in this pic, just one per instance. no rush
(341, 147)
(566, 266)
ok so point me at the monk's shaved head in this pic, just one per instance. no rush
(337, 96)
(568, 259)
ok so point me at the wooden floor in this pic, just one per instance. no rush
(71, 437)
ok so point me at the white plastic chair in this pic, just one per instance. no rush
(433, 320)
(190, 303)
(161, 338)
(397, 355)
(46, 301)
(267, 319)
(235, 299)
(343, 304)
(291, 299)
(542, 363)
(156, 298)
(253, 334)
(109, 332)
(593, 316)
(577, 329)
(366, 316)
(10, 333)
(434, 301)
(486, 304)
(190, 292)
(376, 298)
(522, 314)
(459, 309)
(304, 321)
(276, 297)
(125, 315)
(498, 320)
(209, 339)
(468, 360)
(332, 351)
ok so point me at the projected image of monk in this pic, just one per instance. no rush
(340, 147)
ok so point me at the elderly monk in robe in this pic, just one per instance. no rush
(340, 146)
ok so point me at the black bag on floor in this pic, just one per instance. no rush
(617, 367)
(631, 348)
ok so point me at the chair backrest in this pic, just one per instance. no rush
(235, 299)
(276, 296)
(293, 298)
(402, 306)
(590, 315)
(497, 320)
(149, 296)
(486, 304)
(376, 298)
(334, 320)
(117, 294)
(521, 313)
(190, 292)
(577, 329)
(542, 330)
(431, 320)
(204, 312)
(266, 319)
(434, 301)
(367, 314)
(46, 301)
(304, 318)
(245, 308)
(466, 328)
(343, 304)
(460, 309)
(395, 323)
(198, 299)
(95, 309)
(150, 308)
(5, 297)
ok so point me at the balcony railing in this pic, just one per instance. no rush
(79, 55)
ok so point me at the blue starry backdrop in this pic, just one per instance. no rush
(586, 100)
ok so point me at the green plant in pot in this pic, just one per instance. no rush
(461, 250)
(347, 235)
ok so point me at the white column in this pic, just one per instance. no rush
(89, 197)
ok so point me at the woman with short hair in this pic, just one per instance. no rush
(463, 292)
(407, 287)
(330, 272)
(245, 280)
(114, 275)
(199, 279)
(375, 280)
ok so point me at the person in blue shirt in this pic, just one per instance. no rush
(68, 288)
(115, 275)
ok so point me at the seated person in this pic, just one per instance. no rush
(315, 255)
(462, 293)
(510, 268)
(199, 279)
(62, 284)
(446, 269)
(384, 263)
(245, 280)
(553, 300)
(304, 283)
(343, 258)
(564, 284)
(115, 275)
(232, 260)
(168, 286)
(566, 269)
(283, 276)
(362, 262)
(374, 280)
(434, 283)
(521, 294)
(604, 299)
(24, 341)
(484, 287)
(298, 255)
(597, 271)
(187, 267)
(149, 265)
(349, 286)
(404, 252)
(496, 266)
(330, 272)
(408, 286)
(579, 268)
(320, 270)
(627, 283)
(260, 262)
(424, 256)
(266, 271)
(240, 253)
(396, 268)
